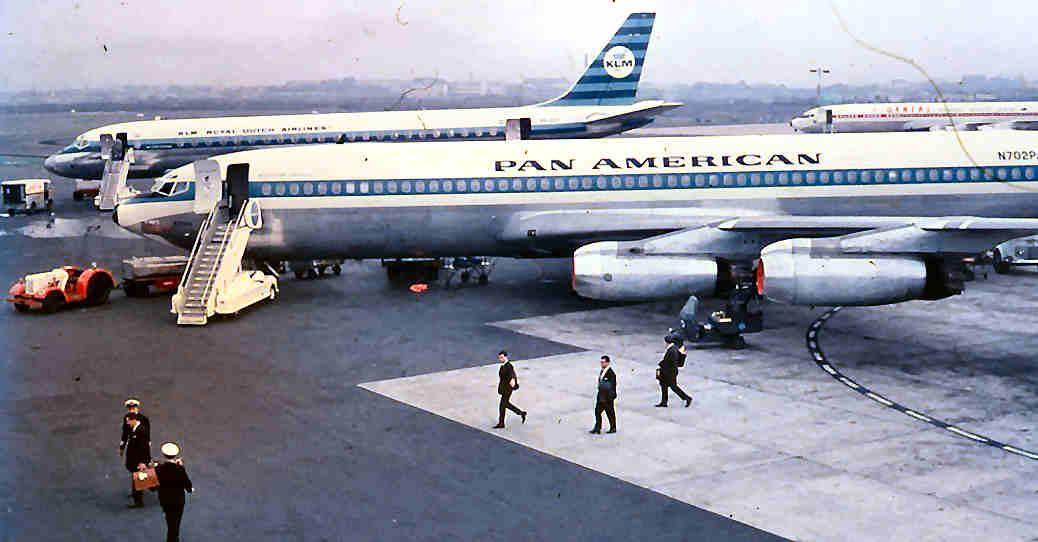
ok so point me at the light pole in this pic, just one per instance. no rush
(819, 70)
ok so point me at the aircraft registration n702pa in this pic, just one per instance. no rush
(859, 219)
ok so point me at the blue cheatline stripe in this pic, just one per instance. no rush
(629, 40)
(594, 101)
(203, 143)
(592, 79)
(599, 71)
(601, 94)
(638, 19)
(638, 48)
(616, 84)
(605, 181)
(629, 34)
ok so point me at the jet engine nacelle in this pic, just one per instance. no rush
(600, 271)
(808, 272)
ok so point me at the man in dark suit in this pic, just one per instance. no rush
(134, 406)
(506, 384)
(667, 374)
(173, 482)
(605, 398)
(138, 454)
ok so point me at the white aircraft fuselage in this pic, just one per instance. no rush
(599, 103)
(917, 117)
(547, 198)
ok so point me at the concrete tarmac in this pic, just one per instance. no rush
(282, 441)
(773, 441)
(278, 438)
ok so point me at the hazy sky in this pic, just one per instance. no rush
(61, 43)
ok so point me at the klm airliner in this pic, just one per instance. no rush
(600, 103)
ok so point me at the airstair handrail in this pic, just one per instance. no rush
(233, 226)
(202, 230)
(198, 241)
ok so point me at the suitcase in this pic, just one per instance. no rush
(145, 479)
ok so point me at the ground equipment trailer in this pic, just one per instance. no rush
(27, 195)
(86, 189)
(725, 327)
(1023, 251)
(161, 273)
(65, 285)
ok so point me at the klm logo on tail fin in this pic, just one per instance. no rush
(612, 79)
(618, 62)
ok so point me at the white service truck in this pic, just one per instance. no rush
(27, 195)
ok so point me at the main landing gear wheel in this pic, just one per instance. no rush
(337, 269)
(53, 302)
(98, 290)
(1001, 266)
(133, 289)
(21, 308)
(484, 280)
(736, 343)
(299, 274)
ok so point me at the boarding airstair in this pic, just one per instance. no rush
(214, 281)
(117, 158)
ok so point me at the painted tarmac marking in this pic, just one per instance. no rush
(814, 347)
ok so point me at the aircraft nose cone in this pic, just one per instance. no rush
(51, 163)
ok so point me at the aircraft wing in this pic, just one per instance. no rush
(803, 260)
(926, 124)
(740, 237)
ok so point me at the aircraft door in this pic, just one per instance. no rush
(238, 187)
(829, 121)
(107, 142)
(208, 185)
(517, 128)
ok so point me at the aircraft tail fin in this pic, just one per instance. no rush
(612, 78)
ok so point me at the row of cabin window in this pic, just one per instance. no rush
(302, 139)
(652, 181)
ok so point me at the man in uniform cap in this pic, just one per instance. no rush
(134, 406)
(173, 482)
(138, 454)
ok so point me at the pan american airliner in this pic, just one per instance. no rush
(860, 219)
(600, 103)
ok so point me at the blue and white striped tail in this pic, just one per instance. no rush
(612, 79)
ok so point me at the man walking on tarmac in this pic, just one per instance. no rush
(173, 482)
(138, 454)
(507, 383)
(605, 398)
(667, 373)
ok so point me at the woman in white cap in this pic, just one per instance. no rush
(173, 482)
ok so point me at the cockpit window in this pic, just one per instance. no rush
(81, 143)
(166, 189)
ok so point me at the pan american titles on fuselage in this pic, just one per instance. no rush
(666, 161)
